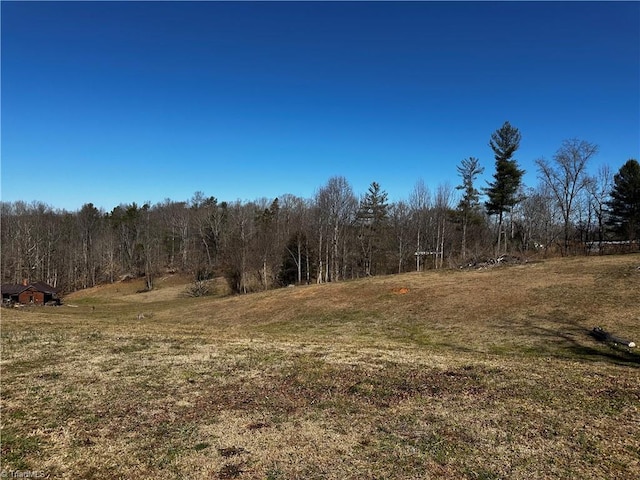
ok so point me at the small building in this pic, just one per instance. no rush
(38, 293)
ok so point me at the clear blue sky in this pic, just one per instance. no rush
(116, 102)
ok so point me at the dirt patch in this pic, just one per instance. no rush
(400, 291)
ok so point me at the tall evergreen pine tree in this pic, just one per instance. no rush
(469, 203)
(372, 216)
(503, 191)
(624, 206)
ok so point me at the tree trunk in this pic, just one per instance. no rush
(417, 251)
(320, 266)
(442, 243)
(299, 259)
(499, 233)
(464, 238)
(264, 273)
(327, 266)
(307, 259)
(335, 273)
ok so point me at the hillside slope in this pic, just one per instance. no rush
(515, 308)
(450, 374)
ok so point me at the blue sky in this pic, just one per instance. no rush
(116, 102)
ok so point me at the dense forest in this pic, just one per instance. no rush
(336, 234)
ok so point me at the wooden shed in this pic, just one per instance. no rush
(38, 293)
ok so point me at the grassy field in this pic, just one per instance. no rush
(474, 374)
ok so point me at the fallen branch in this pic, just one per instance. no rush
(599, 334)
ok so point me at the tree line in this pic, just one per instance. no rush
(334, 235)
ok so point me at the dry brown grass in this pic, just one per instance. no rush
(455, 374)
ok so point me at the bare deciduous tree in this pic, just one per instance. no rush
(541, 219)
(566, 177)
(296, 218)
(337, 201)
(420, 203)
(599, 188)
(400, 218)
(442, 207)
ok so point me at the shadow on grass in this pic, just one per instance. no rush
(573, 340)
